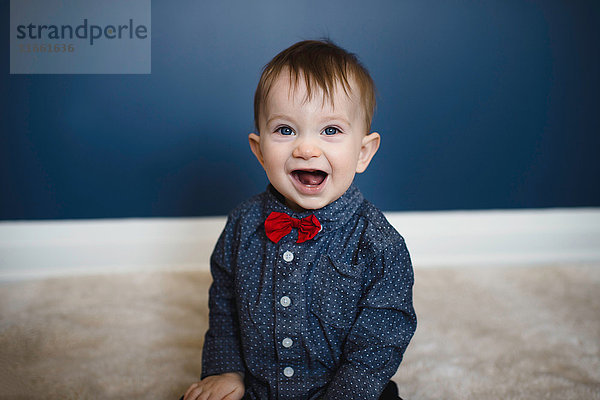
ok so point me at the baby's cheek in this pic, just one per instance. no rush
(346, 169)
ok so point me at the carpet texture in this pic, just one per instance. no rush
(486, 333)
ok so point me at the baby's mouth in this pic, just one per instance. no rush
(309, 177)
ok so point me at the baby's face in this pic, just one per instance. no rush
(311, 150)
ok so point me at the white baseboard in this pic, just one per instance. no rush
(501, 237)
(38, 249)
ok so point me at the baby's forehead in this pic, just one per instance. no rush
(302, 89)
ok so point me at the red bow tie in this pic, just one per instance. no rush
(279, 224)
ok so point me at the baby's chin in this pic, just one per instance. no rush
(308, 203)
(301, 203)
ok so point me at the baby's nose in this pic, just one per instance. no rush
(306, 149)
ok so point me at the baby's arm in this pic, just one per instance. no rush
(227, 386)
(382, 330)
(221, 354)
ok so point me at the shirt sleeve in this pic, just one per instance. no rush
(222, 351)
(385, 325)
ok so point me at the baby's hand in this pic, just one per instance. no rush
(228, 386)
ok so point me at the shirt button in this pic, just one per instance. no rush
(285, 301)
(288, 256)
(288, 371)
(287, 342)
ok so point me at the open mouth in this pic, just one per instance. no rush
(309, 177)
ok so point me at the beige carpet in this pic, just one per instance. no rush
(488, 333)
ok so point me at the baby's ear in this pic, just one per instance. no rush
(370, 144)
(254, 141)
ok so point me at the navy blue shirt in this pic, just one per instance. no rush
(327, 318)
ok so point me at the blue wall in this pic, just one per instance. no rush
(482, 105)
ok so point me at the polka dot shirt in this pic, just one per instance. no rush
(328, 318)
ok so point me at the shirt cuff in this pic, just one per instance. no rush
(356, 382)
(221, 355)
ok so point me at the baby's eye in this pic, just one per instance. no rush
(285, 130)
(330, 130)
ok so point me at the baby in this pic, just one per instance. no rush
(312, 290)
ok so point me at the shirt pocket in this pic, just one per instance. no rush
(336, 292)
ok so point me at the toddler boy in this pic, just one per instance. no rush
(312, 290)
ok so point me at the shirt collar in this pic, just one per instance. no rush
(331, 217)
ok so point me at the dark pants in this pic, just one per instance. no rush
(390, 392)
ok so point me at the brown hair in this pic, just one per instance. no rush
(321, 64)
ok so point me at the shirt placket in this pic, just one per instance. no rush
(290, 309)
